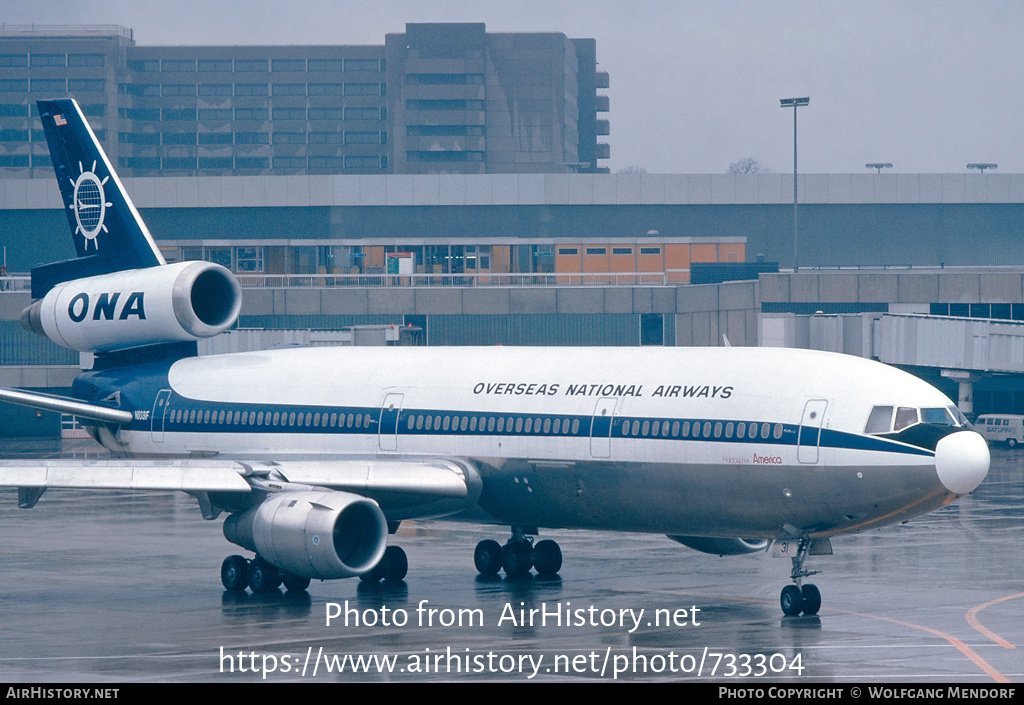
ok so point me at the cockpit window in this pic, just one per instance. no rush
(939, 417)
(885, 419)
(880, 420)
(905, 416)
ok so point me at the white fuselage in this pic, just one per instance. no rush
(751, 442)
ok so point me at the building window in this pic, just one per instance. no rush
(362, 138)
(288, 65)
(173, 89)
(650, 250)
(14, 85)
(215, 89)
(252, 114)
(289, 162)
(280, 89)
(252, 138)
(252, 163)
(179, 138)
(214, 65)
(362, 89)
(326, 163)
(221, 114)
(325, 65)
(289, 113)
(289, 138)
(362, 65)
(92, 60)
(215, 163)
(597, 250)
(256, 65)
(325, 138)
(257, 89)
(96, 85)
(325, 113)
(214, 138)
(362, 162)
(362, 114)
(325, 89)
(48, 60)
(178, 65)
(13, 60)
(188, 114)
(52, 85)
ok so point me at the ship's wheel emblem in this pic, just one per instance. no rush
(89, 204)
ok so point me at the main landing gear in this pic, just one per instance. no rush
(796, 598)
(237, 573)
(518, 556)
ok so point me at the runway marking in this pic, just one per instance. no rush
(972, 619)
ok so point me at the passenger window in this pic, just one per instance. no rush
(880, 420)
(905, 417)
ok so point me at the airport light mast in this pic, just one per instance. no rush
(878, 166)
(794, 103)
(982, 167)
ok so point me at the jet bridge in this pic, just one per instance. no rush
(963, 349)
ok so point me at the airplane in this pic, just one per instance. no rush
(318, 454)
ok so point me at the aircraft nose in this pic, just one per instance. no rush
(961, 461)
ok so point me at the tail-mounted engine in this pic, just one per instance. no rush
(129, 309)
(318, 534)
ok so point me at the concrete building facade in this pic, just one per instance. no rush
(438, 98)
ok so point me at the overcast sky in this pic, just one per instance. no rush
(928, 85)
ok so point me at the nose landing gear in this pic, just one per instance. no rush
(796, 598)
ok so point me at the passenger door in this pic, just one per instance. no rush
(810, 430)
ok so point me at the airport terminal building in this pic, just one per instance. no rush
(450, 181)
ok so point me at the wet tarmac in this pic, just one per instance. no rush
(125, 587)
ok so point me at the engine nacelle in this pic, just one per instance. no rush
(722, 546)
(172, 303)
(318, 534)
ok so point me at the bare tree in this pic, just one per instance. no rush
(747, 165)
(632, 170)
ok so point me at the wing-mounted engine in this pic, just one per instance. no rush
(172, 303)
(314, 534)
(722, 546)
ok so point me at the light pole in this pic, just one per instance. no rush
(982, 167)
(794, 103)
(879, 166)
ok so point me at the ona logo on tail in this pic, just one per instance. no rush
(89, 204)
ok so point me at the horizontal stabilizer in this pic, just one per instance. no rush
(64, 405)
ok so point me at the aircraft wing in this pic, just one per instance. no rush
(52, 402)
(184, 475)
(404, 488)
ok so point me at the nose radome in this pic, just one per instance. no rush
(961, 461)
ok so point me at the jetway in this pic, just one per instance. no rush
(962, 349)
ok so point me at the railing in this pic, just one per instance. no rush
(21, 282)
(666, 278)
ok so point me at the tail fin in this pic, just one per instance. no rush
(108, 232)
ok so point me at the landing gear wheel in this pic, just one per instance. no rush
(393, 567)
(263, 577)
(811, 599)
(547, 558)
(487, 557)
(791, 600)
(395, 564)
(234, 573)
(517, 558)
(295, 583)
